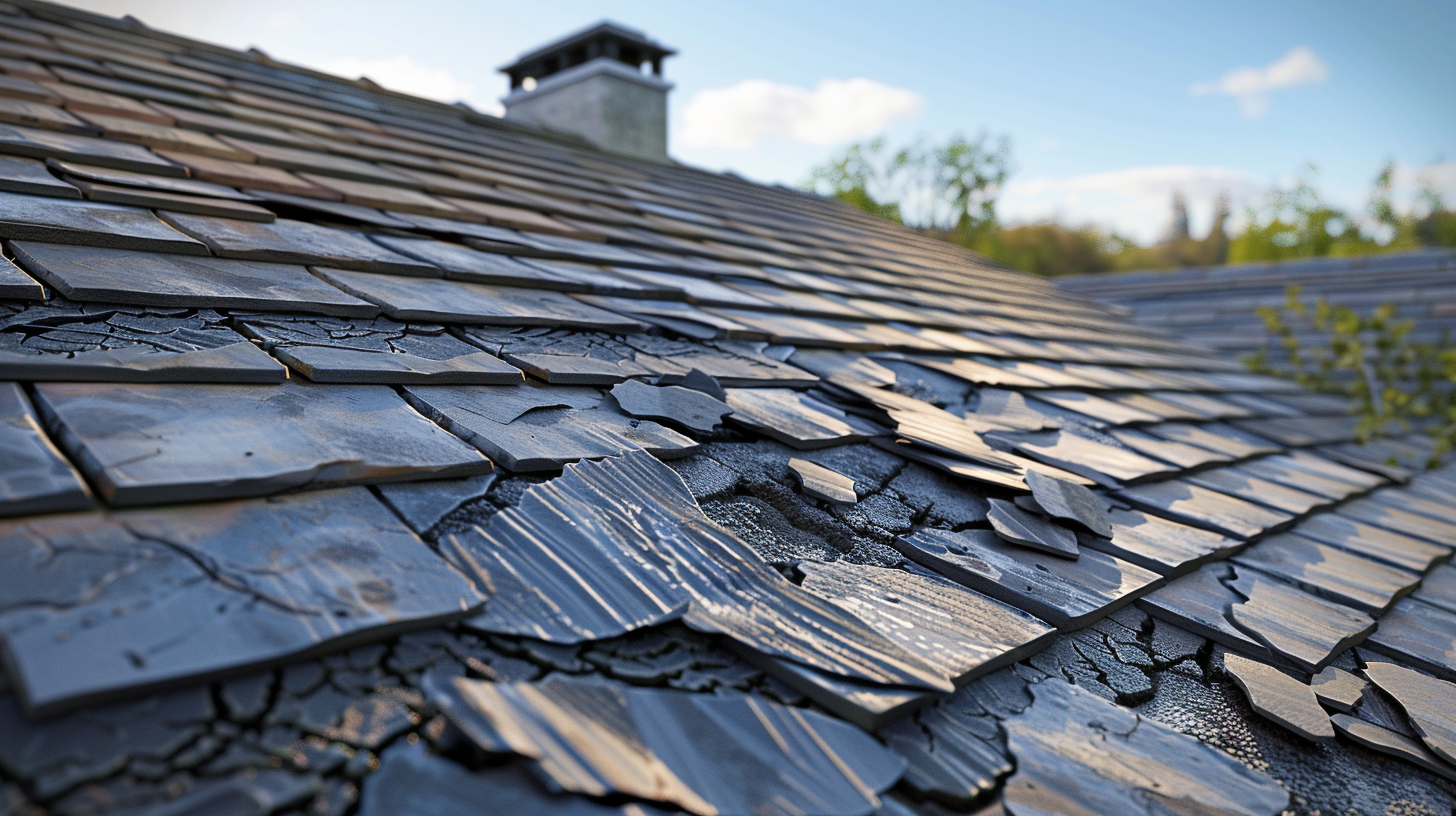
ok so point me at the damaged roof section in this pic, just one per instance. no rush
(366, 454)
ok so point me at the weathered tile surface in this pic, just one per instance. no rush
(1419, 635)
(86, 223)
(1163, 546)
(78, 342)
(1430, 704)
(146, 279)
(1335, 574)
(142, 444)
(30, 177)
(1031, 530)
(374, 351)
(795, 418)
(1280, 698)
(1078, 754)
(1199, 506)
(706, 754)
(1060, 591)
(1390, 742)
(34, 476)
(1337, 688)
(104, 605)
(298, 242)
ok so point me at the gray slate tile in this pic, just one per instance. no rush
(413, 782)
(423, 504)
(1165, 547)
(1199, 506)
(1076, 754)
(30, 177)
(1377, 738)
(674, 404)
(150, 279)
(1068, 594)
(89, 223)
(1028, 529)
(1429, 703)
(707, 754)
(463, 263)
(296, 242)
(1420, 635)
(16, 285)
(1235, 482)
(1439, 588)
(964, 633)
(1104, 463)
(101, 606)
(34, 476)
(442, 301)
(795, 418)
(1067, 501)
(78, 342)
(378, 350)
(141, 444)
(1338, 689)
(1280, 698)
(45, 144)
(1387, 546)
(1341, 576)
(548, 437)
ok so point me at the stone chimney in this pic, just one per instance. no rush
(592, 84)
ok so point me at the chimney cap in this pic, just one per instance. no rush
(604, 39)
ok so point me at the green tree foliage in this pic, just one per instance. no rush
(950, 190)
(1394, 384)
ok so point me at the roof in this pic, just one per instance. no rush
(370, 455)
(1216, 305)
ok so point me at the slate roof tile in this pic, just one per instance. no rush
(518, 270)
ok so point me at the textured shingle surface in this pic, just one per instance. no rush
(673, 480)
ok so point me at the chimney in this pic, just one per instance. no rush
(592, 84)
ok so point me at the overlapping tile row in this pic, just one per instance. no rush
(298, 367)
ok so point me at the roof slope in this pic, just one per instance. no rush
(365, 454)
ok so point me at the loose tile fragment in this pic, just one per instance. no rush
(1338, 689)
(1421, 635)
(795, 418)
(819, 482)
(1064, 500)
(954, 756)
(684, 407)
(143, 444)
(110, 605)
(1030, 530)
(91, 342)
(148, 279)
(1079, 754)
(412, 782)
(34, 476)
(615, 545)
(374, 351)
(1068, 594)
(707, 754)
(1389, 742)
(868, 705)
(1430, 704)
(963, 632)
(1280, 698)
(423, 504)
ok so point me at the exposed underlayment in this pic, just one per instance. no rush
(366, 455)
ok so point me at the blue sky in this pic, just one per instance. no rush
(1108, 109)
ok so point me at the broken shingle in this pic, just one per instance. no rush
(1280, 698)
(107, 605)
(34, 476)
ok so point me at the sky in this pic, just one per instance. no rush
(1109, 108)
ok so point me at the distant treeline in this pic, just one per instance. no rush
(950, 191)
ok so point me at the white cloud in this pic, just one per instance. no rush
(403, 74)
(742, 115)
(1251, 86)
(283, 20)
(1135, 201)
